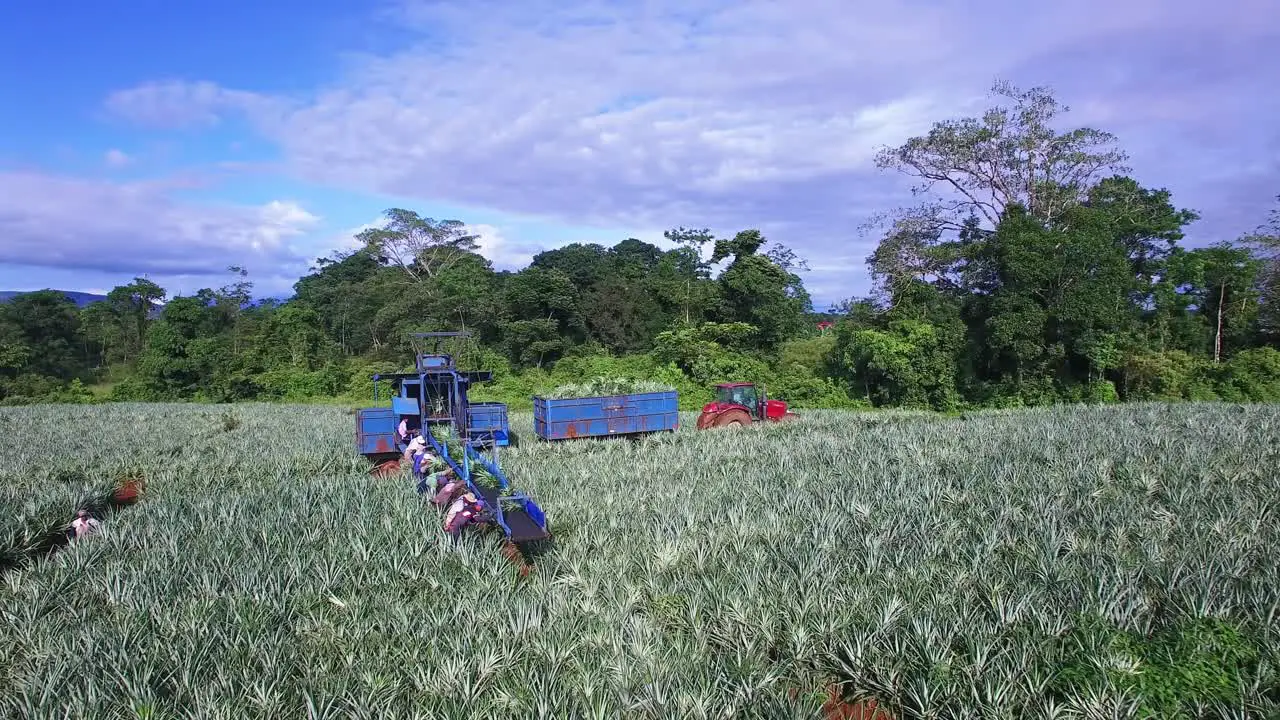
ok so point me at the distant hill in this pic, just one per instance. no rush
(79, 298)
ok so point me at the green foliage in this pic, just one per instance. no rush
(1251, 376)
(602, 386)
(1101, 391)
(1174, 672)
(1044, 276)
(1169, 375)
(906, 365)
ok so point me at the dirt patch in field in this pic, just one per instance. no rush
(836, 707)
(513, 553)
(385, 469)
(128, 491)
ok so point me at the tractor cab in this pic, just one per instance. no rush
(743, 394)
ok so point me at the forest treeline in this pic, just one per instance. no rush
(1034, 271)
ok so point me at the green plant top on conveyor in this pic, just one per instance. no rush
(607, 386)
(483, 478)
(446, 437)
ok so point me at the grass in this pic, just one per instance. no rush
(1103, 561)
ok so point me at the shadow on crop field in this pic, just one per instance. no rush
(126, 492)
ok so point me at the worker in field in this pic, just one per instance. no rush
(463, 511)
(446, 486)
(418, 444)
(84, 524)
(424, 463)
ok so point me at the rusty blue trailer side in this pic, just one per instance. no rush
(604, 416)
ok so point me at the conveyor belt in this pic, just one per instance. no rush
(523, 528)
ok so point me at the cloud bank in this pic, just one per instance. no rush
(64, 222)
(648, 115)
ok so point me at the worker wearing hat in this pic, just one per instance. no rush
(419, 443)
(463, 511)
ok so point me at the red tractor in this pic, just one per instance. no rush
(739, 404)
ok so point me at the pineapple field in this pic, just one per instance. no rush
(1103, 561)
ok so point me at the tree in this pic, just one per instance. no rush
(744, 244)
(102, 327)
(584, 263)
(542, 316)
(1144, 223)
(681, 284)
(1225, 282)
(1264, 242)
(15, 351)
(758, 292)
(908, 254)
(634, 259)
(45, 334)
(786, 258)
(1010, 154)
(133, 306)
(422, 247)
(468, 296)
(345, 290)
(230, 301)
(687, 262)
(689, 237)
(907, 364)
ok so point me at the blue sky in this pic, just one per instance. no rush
(174, 139)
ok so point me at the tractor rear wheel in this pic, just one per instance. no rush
(732, 418)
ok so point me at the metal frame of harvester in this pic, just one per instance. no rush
(436, 394)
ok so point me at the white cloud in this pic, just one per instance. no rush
(176, 103)
(748, 113)
(347, 240)
(59, 222)
(117, 158)
(504, 253)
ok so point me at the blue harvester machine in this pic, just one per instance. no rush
(436, 394)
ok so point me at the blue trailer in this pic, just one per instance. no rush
(606, 416)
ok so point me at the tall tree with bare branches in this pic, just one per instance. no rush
(422, 247)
